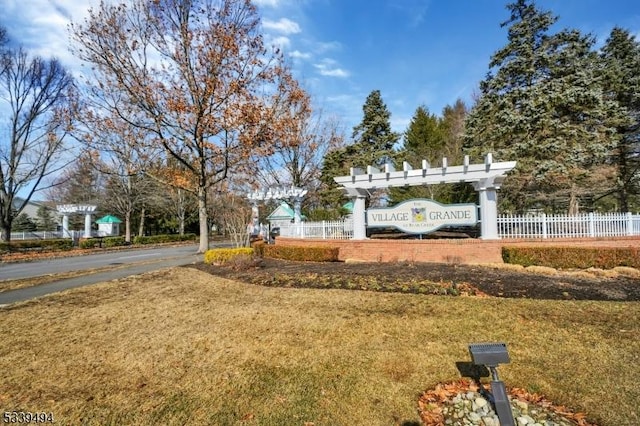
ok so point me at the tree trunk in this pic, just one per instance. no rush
(5, 233)
(204, 221)
(574, 207)
(127, 226)
(141, 227)
(181, 212)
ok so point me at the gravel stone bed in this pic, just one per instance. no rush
(472, 408)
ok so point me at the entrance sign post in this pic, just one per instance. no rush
(486, 178)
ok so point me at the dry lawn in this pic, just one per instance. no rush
(180, 347)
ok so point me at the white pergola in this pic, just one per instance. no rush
(292, 193)
(66, 209)
(486, 179)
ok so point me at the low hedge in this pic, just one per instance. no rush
(30, 245)
(302, 253)
(89, 243)
(165, 238)
(224, 255)
(573, 257)
(113, 242)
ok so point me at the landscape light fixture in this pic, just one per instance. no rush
(491, 355)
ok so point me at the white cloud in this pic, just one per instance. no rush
(282, 42)
(42, 27)
(328, 67)
(327, 46)
(284, 25)
(300, 55)
(267, 3)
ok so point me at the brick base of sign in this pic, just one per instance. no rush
(462, 251)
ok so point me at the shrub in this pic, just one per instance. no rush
(166, 238)
(113, 242)
(302, 253)
(223, 255)
(42, 245)
(573, 257)
(89, 243)
(258, 247)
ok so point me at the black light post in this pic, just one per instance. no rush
(491, 355)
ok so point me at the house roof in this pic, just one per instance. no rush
(283, 211)
(108, 219)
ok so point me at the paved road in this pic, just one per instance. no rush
(129, 262)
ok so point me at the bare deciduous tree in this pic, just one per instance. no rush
(199, 77)
(300, 151)
(40, 98)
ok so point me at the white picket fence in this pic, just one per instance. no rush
(326, 230)
(591, 225)
(45, 235)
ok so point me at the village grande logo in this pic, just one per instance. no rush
(421, 216)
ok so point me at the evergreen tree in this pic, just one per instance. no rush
(542, 105)
(432, 138)
(423, 140)
(452, 124)
(373, 142)
(45, 220)
(621, 65)
(336, 163)
(373, 137)
(23, 223)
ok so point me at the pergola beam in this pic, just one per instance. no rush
(426, 175)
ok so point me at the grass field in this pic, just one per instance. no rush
(180, 347)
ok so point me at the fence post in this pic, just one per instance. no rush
(544, 226)
(324, 231)
(592, 231)
(629, 223)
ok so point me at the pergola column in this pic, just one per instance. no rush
(87, 225)
(297, 210)
(359, 218)
(65, 226)
(488, 198)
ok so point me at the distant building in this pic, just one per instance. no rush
(108, 226)
(31, 209)
(282, 215)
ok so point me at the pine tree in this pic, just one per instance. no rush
(45, 220)
(23, 223)
(373, 142)
(452, 125)
(621, 65)
(542, 105)
(373, 136)
(423, 140)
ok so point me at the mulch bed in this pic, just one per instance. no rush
(413, 277)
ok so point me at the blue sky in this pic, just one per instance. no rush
(416, 52)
